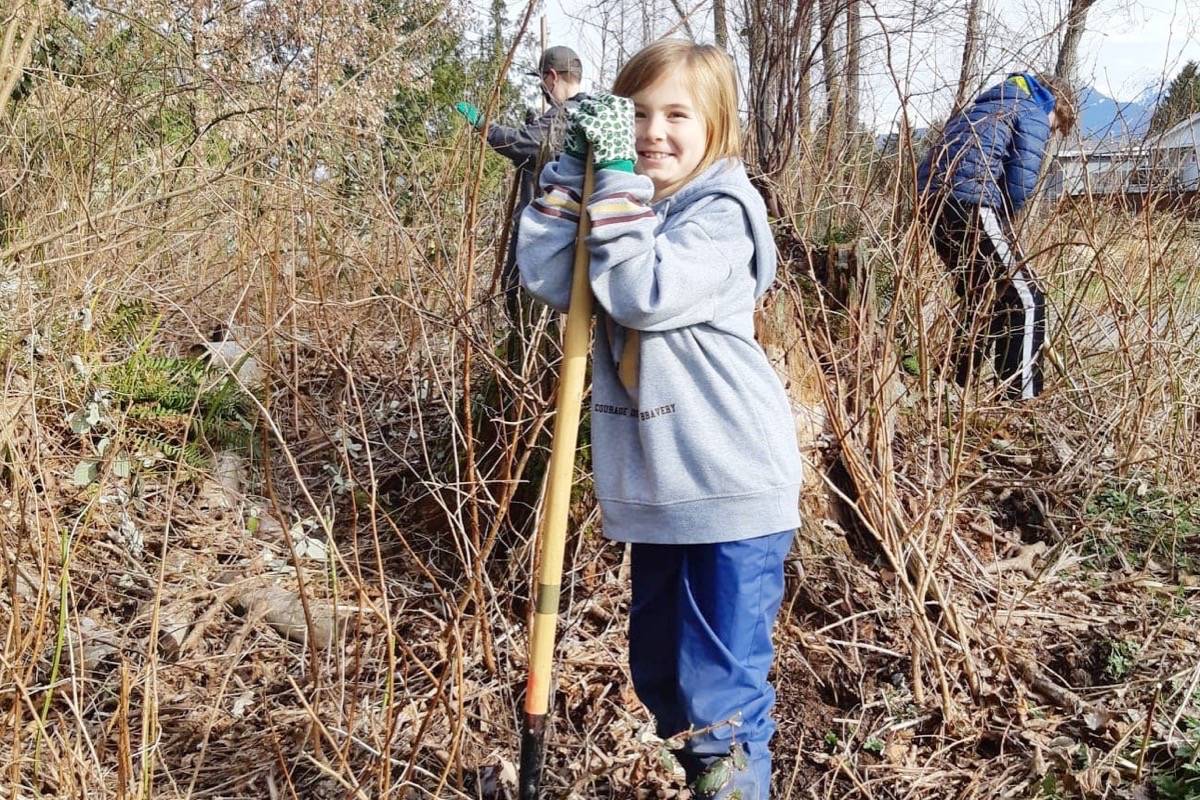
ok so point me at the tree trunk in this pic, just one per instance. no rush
(853, 64)
(970, 56)
(720, 31)
(778, 35)
(759, 92)
(1068, 54)
(15, 52)
(830, 63)
(804, 23)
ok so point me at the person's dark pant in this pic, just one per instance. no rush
(700, 648)
(510, 280)
(1004, 307)
(522, 310)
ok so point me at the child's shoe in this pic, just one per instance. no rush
(728, 778)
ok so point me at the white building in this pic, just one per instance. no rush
(1094, 168)
(1173, 161)
(1167, 165)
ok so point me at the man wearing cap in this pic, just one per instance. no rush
(531, 146)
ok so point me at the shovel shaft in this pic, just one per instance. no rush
(553, 534)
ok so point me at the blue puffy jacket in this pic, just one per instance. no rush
(991, 152)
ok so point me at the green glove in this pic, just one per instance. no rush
(606, 122)
(469, 112)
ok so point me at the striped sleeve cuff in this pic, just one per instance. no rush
(558, 201)
(617, 207)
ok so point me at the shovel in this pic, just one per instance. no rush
(553, 534)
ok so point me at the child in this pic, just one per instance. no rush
(973, 184)
(693, 442)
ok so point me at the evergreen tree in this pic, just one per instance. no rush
(494, 42)
(448, 70)
(1182, 99)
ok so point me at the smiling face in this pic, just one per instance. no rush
(671, 133)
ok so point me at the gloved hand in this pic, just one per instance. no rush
(606, 122)
(469, 112)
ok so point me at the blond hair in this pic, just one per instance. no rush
(709, 74)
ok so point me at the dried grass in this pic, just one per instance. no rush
(348, 618)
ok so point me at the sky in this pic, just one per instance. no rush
(1127, 49)
(1129, 45)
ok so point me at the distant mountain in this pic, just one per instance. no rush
(1102, 117)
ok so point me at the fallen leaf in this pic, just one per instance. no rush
(241, 703)
(1097, 718)
(85, 473)
(1037, 765)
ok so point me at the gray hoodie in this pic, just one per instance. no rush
(692, 435)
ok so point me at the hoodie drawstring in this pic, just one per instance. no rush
(627, 362)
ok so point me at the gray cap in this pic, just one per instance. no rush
(562, 60)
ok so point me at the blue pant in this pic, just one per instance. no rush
(700, 647)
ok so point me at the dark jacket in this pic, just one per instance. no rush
(530, 148)
(991, 152)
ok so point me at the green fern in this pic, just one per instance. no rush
(127, 322)
(177, 404)
(172, 383)
(189, 453)
(226, 401)
(226, 435)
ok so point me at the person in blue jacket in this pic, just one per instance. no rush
(972, 185)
